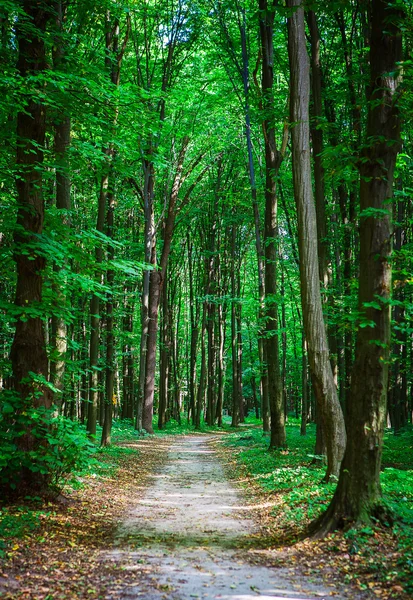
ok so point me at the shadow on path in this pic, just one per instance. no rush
(192, 536)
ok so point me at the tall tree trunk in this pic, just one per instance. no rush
(284, 344)
(238, 319)
(304, 396)
(110, 342)
(62, 127)
(397, 388)
(28, 352)
(193, 318)
(358, 494)
(165, 348)
(203, 374)
(211, 291)
(221, 310)
(155, 287)
(257, 226)
(150, 257)
(154, 296)
(323, 245)
(314, 327)
(113, 61)
(234, 338)
(273, 159)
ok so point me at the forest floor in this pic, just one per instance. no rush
(169, 517)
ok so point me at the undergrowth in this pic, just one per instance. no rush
(294, 480)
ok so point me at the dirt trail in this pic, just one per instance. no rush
(185, 539)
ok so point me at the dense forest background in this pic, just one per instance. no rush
(199, 202)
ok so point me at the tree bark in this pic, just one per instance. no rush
(110, 341)
(113, 61)
(62, 127)
(202, 376)
(28, 352)
(165, 349)
(234, 338)
(193, 317)
(257, 226)
(273, 159)
(358, 495)
(314, 327)
(150, 258)
(155, 287)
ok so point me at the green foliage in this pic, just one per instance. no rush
(172, 427)
(15, 523)
(286, 472)
(39, 448)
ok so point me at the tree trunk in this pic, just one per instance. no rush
(156, 280)
(28, 352)
(113, 61)
(193, 318)
(314, 327)
(238, 319)
(62, 127)
(202, 377)
(165, 346)
(110, 342)
(257, 227)
(221, 310)
(358, 495)
(304, 396)
(273, 160)
(323, 245)
(234, 338)
(150, 258)
(154, 295)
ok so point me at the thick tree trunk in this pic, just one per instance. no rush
(314, 327)
(273, 160)
(28, 352)
(358, 494)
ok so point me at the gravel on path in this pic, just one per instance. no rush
(192, 536)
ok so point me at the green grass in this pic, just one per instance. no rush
(17, 522)
(172, 427)
(285, 472)
(299, 496)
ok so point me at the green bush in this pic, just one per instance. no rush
(38, 450)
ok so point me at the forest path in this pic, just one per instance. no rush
(188, 537)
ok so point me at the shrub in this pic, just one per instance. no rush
(38, 450)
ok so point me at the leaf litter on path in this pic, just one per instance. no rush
(62, 558)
